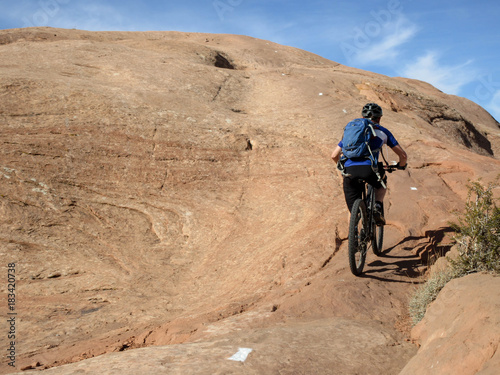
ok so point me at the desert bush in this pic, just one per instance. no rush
(427, 293)
(478, 239)
(478, 232)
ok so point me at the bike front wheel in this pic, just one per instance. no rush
(357, 241)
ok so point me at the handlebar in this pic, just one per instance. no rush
(395, 167)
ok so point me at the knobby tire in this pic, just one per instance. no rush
(356, 242)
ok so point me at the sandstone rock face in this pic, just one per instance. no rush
(460, 333)
(166, 188)
(313, 347)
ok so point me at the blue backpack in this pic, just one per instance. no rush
(356, 139)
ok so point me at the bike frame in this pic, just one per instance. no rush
(369, 198)
(360, 238)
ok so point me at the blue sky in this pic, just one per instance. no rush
(452, 44)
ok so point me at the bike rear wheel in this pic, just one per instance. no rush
(357, 242)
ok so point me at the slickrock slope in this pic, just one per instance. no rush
(460, 333)
(169, 188)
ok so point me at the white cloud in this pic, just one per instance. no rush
(447, 78)
(387, 50)
(378, 42)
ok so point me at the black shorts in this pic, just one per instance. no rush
(353, 188)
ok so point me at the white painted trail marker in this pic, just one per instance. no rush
(241, 355)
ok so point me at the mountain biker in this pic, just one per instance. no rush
(364, 169)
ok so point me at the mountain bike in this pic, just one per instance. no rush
(363, 231)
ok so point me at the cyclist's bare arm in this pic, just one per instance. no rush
(336, 154)
(402, 155)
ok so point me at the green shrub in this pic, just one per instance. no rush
(478, 237)
(478, 232)
(427, 293)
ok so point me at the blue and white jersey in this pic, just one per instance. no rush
(384, 137)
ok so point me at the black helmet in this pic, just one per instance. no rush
(371, 110)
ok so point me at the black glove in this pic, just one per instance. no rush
(400, 167)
